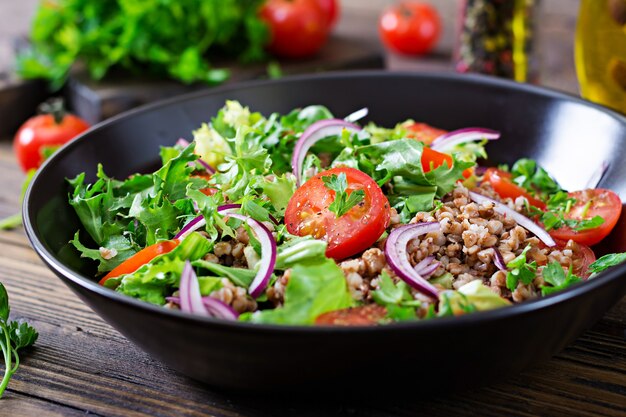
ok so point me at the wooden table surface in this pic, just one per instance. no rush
(80, 365)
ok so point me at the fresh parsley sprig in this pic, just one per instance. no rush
(520, 270)
(558, 206)
(554, 275)
(13, 337)
(606, 262)
(342, 202)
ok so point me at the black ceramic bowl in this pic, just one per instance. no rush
(568, 136)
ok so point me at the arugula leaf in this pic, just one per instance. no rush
(116, 250)
(13, 337)
(607, 261)
(554, 275)
(342, 202)
(312, 290)
(520, 270)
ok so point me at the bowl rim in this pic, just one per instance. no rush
(542, 303)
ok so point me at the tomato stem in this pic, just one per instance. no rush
(55, 108)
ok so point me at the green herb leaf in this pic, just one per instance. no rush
(606, 262)
(343, 201)
(554, 275)
(312, 290)
(4, 304)
(520, 270)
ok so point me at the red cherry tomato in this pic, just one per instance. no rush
(591, 203)
(505, 187)
(332, 10)
(308, 214)
(41, 132)
(410, 27)
(299, 28)
(432, 159)
(353, 316)
(141, 258)
(424, 133)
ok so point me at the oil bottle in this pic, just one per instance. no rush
(601, 52)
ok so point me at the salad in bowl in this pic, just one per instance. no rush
(308, 219)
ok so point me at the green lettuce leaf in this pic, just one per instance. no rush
(312, 290)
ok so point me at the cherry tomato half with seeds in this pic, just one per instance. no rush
(503, 184)
(359, 228)
(591, 203)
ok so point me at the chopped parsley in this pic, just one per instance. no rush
(520, 270)
(343, 202)
(554, 275)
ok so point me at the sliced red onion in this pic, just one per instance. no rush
(430, 269)
(206, 166)
(498, 260)
(268, 254)
(519, 218)
(424, 263)
(190, 227)
(215, 307)
(318, 130)
(398, 260)
(449, 140)
(190, 297)
(596, 177)
(357, 115)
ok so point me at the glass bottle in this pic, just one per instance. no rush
(601, 52)
(496, 37)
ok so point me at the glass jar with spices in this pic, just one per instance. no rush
(496, 37)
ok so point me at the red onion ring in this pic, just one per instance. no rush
(215, 307)
(398, 260)
(265, 237)
(190, 297)
(318, 130)
(519, 218)
(498, 260)
(449, 140)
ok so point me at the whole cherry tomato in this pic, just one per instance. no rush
(299, 28)
(410, 27)
(332, 9)
(43, 134)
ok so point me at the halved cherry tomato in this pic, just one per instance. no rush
(308, 214)
(432, 159)
(424, 133)
(582, 256)
(353, 316)
(505, 187)
(591, 203)
(141, 258)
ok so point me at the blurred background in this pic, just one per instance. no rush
(354, 42)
